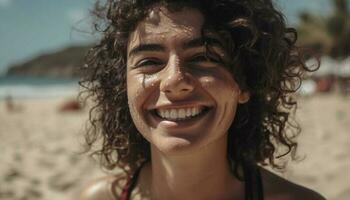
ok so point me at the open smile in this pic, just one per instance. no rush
(180, 113)
(180, 117)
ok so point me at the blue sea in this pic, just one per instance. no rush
(38, 87)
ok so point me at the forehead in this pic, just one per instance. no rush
(162, 24)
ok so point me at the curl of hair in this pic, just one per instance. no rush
(265, 62)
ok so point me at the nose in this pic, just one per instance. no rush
(176, 82)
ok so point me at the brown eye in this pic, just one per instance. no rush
(149, 65)
(204, 59)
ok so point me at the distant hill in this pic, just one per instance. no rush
(61, 64)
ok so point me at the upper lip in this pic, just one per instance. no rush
(179, 105)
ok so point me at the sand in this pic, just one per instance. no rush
(40, 149)
(325, 145)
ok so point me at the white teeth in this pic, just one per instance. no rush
(182, 113)
(188, 112)
(173, 113)
(166, 114)
(194, 111)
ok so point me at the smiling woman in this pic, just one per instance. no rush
(172, 83)
(192, 97)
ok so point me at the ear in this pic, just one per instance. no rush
(243, 97)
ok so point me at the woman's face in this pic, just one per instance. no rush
(179, 98)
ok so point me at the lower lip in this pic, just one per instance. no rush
(185, 123)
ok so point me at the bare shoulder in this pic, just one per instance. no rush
(278, 188)
(107, 188)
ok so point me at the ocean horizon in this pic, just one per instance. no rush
(20, 87)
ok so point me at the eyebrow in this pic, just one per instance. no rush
(202, 41)
(197, 42)
(146, 47)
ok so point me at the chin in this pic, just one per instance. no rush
(179, 145)
(175, 145)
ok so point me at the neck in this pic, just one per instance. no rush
(203, 174)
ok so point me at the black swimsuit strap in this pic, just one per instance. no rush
(260, 185)
(131, 184)
(252, 184)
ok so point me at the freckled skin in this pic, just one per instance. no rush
(174, 80)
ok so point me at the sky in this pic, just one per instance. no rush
(29, 28)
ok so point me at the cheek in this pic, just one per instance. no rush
(221, 87)
(139, 87)
(224, 91)
(139, 90)
(133, 102)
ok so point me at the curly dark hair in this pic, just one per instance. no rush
(258, 40)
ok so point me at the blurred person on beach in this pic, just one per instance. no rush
(11, 106)
(192, 98)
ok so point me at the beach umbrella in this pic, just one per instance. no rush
(344, 68)
(328, 66)
(308, 87)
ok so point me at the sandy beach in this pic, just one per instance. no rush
(40, 149)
